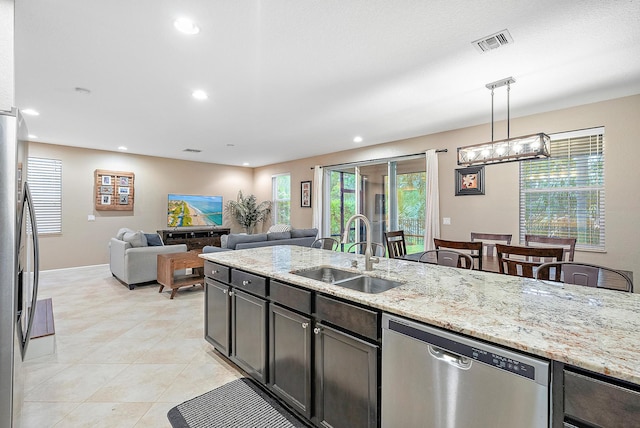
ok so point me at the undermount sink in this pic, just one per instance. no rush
(352, 280)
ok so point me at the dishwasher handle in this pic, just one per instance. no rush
(458, 361)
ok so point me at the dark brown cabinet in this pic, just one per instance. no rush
(249, 333)
(195, 237)
(346, 379)
(290, 357)
(217, 315)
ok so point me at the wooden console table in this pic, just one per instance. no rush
(194, 237)
(169, 263)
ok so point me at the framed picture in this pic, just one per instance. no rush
(123, 190)
(305, 194)
(123, 181)
(105, 200)
(124, 199)
(470, 181)
(106, 190)
(106, 180)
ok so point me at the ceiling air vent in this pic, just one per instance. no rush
(494, 41)
(192, 150)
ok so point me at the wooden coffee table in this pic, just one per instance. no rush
(169, 263)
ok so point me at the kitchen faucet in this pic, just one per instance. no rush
(369, 260)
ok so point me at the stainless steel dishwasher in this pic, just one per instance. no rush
(436, 379)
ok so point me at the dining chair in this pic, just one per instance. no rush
(474, 248)
(447, 258)
(395, 244)
(326, 244)
(526, 261)
(489, 241)
(568, 244)
(591, 275)
(360, 247)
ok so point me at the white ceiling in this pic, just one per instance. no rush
(289, 79)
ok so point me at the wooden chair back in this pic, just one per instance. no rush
(326, 244)
(395, 243)
(568, 244)
(591, 275)
(360, 247)
(474, 248)
(447, 258)
(489, 241)
(525, 261)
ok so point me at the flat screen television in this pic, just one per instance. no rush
(194, 210)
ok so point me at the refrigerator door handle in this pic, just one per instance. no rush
(28, 203)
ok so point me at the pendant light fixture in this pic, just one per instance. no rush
(512, 149)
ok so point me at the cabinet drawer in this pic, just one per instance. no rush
(289, 296)
(247, 281)
(216, 271)
(598, 402)
(362, 321)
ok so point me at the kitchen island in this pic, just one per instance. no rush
(592, 329)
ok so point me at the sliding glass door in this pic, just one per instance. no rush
(391, 194)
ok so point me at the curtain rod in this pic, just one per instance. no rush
(380, 159)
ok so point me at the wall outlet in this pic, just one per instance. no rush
(91, 217)
(446, 220)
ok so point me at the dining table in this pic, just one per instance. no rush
(490, 263)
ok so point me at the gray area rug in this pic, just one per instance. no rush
(238, 404)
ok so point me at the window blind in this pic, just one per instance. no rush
(564, 195)
(45, 183)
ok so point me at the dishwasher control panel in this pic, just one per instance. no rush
(482, 353)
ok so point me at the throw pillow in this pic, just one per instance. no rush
(223, 241)
(304, 233)
(274, 236)
(279, 228)
(136, 239)
(153, 240)
(122, 231)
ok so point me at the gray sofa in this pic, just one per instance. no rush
(237, 241)
(133, 260)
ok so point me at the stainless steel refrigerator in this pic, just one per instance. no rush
(18, 265)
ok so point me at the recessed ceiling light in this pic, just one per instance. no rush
(199, 94)
(357, 139)
(33, 136)
(186, 26)
(30, 112)
(245, 164)
(123, 148)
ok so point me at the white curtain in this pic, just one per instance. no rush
(316, 202)
(432, 214)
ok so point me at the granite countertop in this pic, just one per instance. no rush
(595, 329)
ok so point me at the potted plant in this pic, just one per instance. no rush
(247, 212)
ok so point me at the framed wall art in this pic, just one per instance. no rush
(113, 190)
(470, 181)
(305, 194)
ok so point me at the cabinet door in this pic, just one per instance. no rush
(346, 380)
(217, 315)
(249, 333)
(290, 357)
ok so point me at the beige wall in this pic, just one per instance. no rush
(85, 243)
(497, 210)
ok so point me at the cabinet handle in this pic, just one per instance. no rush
(230, 293)
(245, 282)
(305, 324)
(214, 272)
(316, 330)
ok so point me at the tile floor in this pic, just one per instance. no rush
(123, 358)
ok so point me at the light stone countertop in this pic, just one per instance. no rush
(595, 329)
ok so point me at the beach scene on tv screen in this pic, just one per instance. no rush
(194, 210)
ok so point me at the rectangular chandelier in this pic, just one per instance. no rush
(533, 146)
